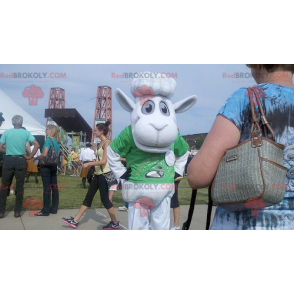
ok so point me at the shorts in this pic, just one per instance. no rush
(113, 185)
(174, 203)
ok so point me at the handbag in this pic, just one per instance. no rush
(52, 158)
(109, 177)
(250, 174)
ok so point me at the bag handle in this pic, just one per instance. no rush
(209, 208)
(99, 160)
(51, 144)
(264, 120)
(98, 154)
(103, 144)
(186, 224)
(255, 128)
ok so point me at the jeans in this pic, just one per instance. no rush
(49, 179)
(13, 166)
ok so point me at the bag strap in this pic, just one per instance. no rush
(98, 154)
(103, 144)
(186, 225)
(209, 208)
(255, 128)
(264, 120)
(51, 144)
(99, 160)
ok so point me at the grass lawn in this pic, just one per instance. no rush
(71, 193)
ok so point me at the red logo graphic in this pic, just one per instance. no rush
(255, 204)
(144, 204)
(33, 93)
(33, 204)
(144, 92)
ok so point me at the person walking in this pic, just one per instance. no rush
(75, 160)
(87, 155)
(15, 162)
(49, 173)
(232, 126)
(63, 164)
(98, 182)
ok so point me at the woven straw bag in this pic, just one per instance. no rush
(251, 175)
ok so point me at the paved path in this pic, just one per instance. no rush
(94, 219)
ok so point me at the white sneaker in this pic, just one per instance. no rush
(122, 208)
(11, 191)
(175, 228)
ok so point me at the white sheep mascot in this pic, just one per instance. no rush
(154, 150)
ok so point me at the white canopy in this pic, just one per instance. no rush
(10, 108)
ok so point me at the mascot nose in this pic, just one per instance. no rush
(158, 128)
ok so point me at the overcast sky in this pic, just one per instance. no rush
(81, 82)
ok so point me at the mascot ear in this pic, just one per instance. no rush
(185, 104)
(125, 102)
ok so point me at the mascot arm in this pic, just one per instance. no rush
(181, 163)
(181, 153)
(114, 162)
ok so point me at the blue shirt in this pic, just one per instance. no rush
(278, 104)
(15, 141)
(55, 144)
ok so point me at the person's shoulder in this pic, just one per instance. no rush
(9, 131)
(6, 132)
(239, 94)
(28, 133)
(237, 99)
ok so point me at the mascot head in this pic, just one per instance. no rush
(153, 115)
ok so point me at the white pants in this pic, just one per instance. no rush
(138, 218)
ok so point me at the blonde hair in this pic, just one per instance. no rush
(54, 132)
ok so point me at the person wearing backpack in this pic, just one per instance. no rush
(49, 173)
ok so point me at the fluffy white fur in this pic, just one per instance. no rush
(160, 84)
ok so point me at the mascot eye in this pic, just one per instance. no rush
(148, 107)
(163, 108)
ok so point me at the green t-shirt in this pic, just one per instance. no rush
(147, 167)
(15, 141)
(55, 143)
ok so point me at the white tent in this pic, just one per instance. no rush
(10, 108)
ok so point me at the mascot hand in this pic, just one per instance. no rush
(127, 174)
(177, 177)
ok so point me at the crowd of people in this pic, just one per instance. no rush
(108, 167)
(93, 168)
